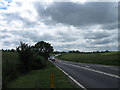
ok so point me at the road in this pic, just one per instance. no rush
(91, 75)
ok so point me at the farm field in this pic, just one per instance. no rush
(110, 58)
(10, 57)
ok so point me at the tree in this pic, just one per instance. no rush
(12, 50)
(43, 48)
(106, 51)
(34, 57)
(25, 54)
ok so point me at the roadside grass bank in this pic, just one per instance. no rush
(12, 76)
(0, 69)
(41, 79)
(110, 58)
(10, 70)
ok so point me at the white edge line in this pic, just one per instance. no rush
(62, 71)
(72, 79)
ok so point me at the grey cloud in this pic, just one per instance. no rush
(66, 37)
(67, 14)
(64, 46)
(101, 37)
(8, 43)
(77, 14)
(5, 36)
(19, 3)
(34, 35)
(3, 31)
(110, 26)
(97, 35)
(9, 17)
(44, 37)
(102, 41)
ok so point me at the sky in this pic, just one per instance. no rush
(66, 25)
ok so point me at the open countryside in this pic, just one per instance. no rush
(59, 44)
(16, 75)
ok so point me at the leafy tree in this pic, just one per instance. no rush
(25, 54)
(43, 48)
(34, 57)
(12, 50)
(2, 49)
(106, 51)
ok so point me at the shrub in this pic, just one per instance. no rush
(38, 62)
(25, 55)
(10, 72)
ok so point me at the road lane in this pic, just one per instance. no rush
(108, 69)
(89, 79)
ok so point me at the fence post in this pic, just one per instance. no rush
(52, 80)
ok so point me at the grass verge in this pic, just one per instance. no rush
(110, 58)
(41, 79)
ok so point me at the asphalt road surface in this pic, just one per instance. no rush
(91, 75)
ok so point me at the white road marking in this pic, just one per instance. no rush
(104, 66)
(108, 74)
(72, 79)
(114, 68)
(87, 66)
(62, 71)
(77, 83)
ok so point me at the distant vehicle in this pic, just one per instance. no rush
(52, 58)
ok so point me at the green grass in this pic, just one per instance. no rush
(110, 58)
(41, 79)
(110, 53)
(0, 66)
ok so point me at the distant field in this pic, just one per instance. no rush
(11, 57)
(110, 58)
(36, 78)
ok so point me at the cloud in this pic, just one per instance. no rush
(97, 34)
(66, 25)
(4, 4)
(101, 41)
(110, 26)
(77, 14)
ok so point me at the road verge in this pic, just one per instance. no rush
(73, 80)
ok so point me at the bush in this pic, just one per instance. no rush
(34, 57)
(10, 72)
(25, 55)
(38, 62)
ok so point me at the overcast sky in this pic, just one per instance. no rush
(80, 25)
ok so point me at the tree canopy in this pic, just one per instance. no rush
(34, 56)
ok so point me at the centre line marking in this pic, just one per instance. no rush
(108, 74)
